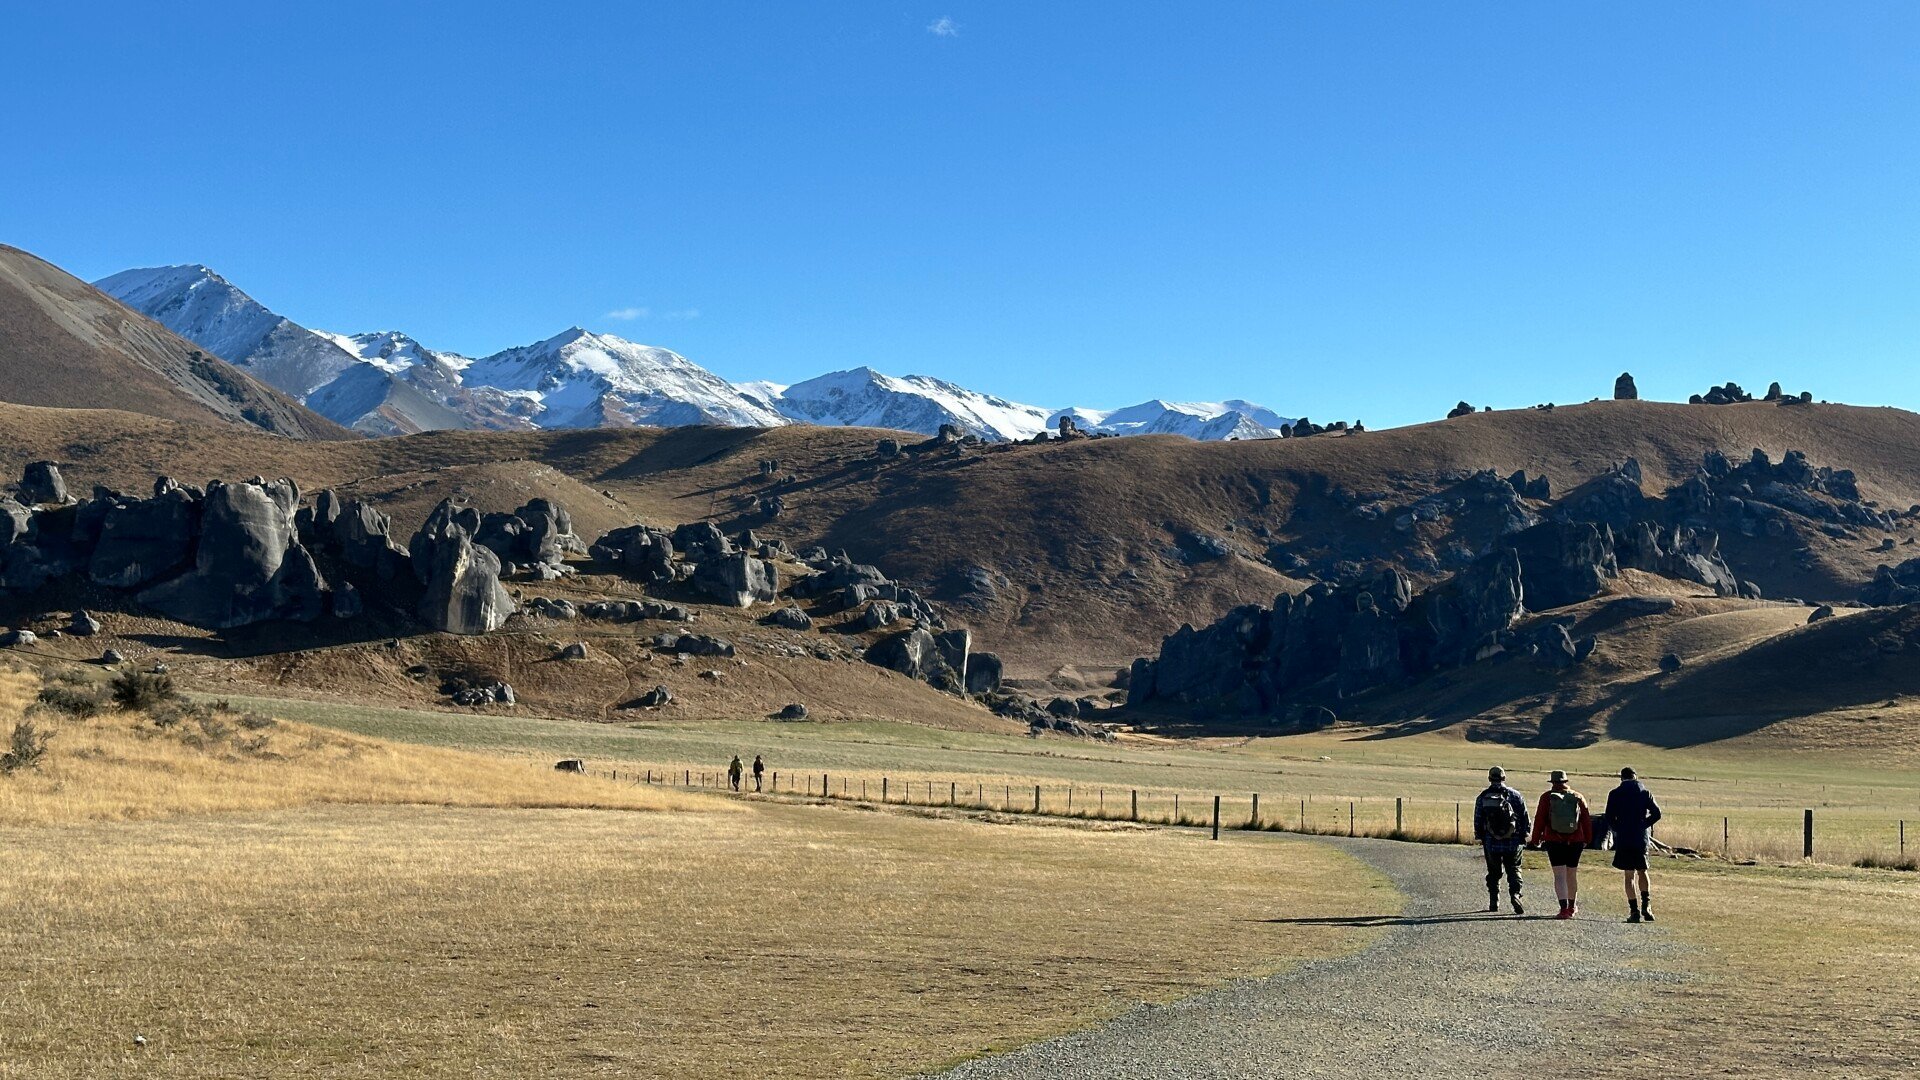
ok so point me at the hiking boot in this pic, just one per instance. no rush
(1493, 901)
(1517, 909)
(1646, 909)
(1633, 913)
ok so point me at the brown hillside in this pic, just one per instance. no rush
(1081, 541)
(66, 344)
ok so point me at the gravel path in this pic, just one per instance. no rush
(1444, 988)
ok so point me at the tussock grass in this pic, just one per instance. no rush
(177, 758)
(776, 940)
(1787, 972)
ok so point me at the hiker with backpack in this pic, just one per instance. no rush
(1564, 826)
(1500, 825)
(1631, 814)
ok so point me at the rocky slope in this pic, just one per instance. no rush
(1071, 559)
(65, 344)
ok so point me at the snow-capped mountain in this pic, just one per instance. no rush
(865, 398)
(387, 383)
(382, 384)
(391, 350)
(213, 313)
(1204, 420)
(581, 379)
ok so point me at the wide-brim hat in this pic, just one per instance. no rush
(1557, 776)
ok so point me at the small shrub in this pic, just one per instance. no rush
(173, 713)
(254, 721)
(134, 690)
(1887, 862)
(72, 701)
(212, 725)
(25, 749)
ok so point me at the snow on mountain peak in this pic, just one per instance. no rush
(578, 378)
(863, 397)
(586, 380)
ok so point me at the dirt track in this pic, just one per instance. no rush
(1449, 991)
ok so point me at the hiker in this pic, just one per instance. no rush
(1563, 825)
(1631, 814)
(733, 772)
(759, 770)
(1500, 825)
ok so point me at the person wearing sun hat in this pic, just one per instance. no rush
(1631, 815)
(1564, 826)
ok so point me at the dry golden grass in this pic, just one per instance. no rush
(1813, 971)
(120, 765)
(785, 940)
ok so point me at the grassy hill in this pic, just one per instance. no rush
(1083, 545)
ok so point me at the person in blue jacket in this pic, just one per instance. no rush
(1631, 814)
(1500, 824)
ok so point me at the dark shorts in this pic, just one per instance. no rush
(1630, 858)
(1561, 854)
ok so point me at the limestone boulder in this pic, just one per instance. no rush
(737, 580)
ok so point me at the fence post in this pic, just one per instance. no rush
(1036, 798)
(1903, 839)
(686, 778)
(1806, 836)
(1303, 815)
(953, 792)
(1456, 823)
(1216, 817)
(1399, 814)
(1069, 800)
(1349, 817)
(1176, 808)
(1726, 837)
(883, 789)
(1253, 819)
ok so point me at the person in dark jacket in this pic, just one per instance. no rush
(1500, 825)
(1631, 814)
(759, 770)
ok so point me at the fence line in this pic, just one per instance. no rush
(1064, 805)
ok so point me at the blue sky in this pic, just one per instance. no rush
(1343, 209)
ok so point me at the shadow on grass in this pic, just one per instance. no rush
(1403, 920)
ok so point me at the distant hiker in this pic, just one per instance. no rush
(1563, 825)
(733, 772)
(1631, 814)
(759, 770)
(1500, 824)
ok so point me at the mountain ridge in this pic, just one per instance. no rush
(579, 378)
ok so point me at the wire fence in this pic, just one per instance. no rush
(1748, 835)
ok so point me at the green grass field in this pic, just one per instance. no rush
(1319, 782)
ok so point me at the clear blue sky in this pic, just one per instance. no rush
(1343, 209)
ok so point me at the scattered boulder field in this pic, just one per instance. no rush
(240, 555)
